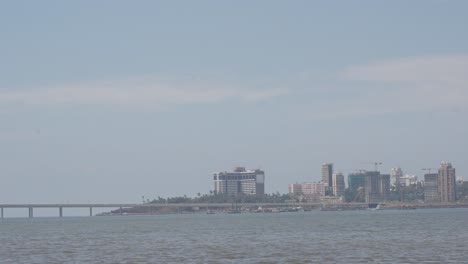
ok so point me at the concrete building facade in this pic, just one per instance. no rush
(356, 180)
(327, 174)
(307, 188)
(295, 188)
(408, 180)
(240, 181)
(431, 193)
(377, 187)
(446, 182)
(338, 184)
(395, 175)
(384, 186)
(372, 188)
(308, 191)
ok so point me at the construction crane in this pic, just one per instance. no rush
(429, 170)
(376, 164)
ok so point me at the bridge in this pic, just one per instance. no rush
(121, 206)
(60, 207)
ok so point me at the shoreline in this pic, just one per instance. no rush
(252, 208)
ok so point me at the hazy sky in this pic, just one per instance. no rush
(106, 101)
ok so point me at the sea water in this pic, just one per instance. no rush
(386, 236)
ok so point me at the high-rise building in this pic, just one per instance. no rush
(327, 177)
(372, 188)
(376, 186)
(431, 193)
(395, 175)
(384, 186)
(356, 185)
(446, 182)
(356, 180)
(338, 184)
(327, 174)
(240, 181)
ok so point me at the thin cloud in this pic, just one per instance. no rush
(417, 83)
(144, 92)
(450, 69)
(427, 84)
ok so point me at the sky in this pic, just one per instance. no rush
(109, 101)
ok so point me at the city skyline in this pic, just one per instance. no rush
(111, 100)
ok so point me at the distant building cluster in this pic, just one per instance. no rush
(362, 186)
(375, 187)
(438, 187)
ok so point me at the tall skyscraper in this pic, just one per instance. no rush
(372, 188)
(327, 174)
(240, 181)
(446, 182)
(377, 187)
(395, 175)
(338, 184)
(431, 193)
(384, 186)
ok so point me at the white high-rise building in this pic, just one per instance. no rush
(338, 184)
(395, 176)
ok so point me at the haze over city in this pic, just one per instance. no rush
(108, 101)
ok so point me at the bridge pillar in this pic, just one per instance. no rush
(90, 211)
(31, 212)
(2, 212)
(61, 211)
(120, 210)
